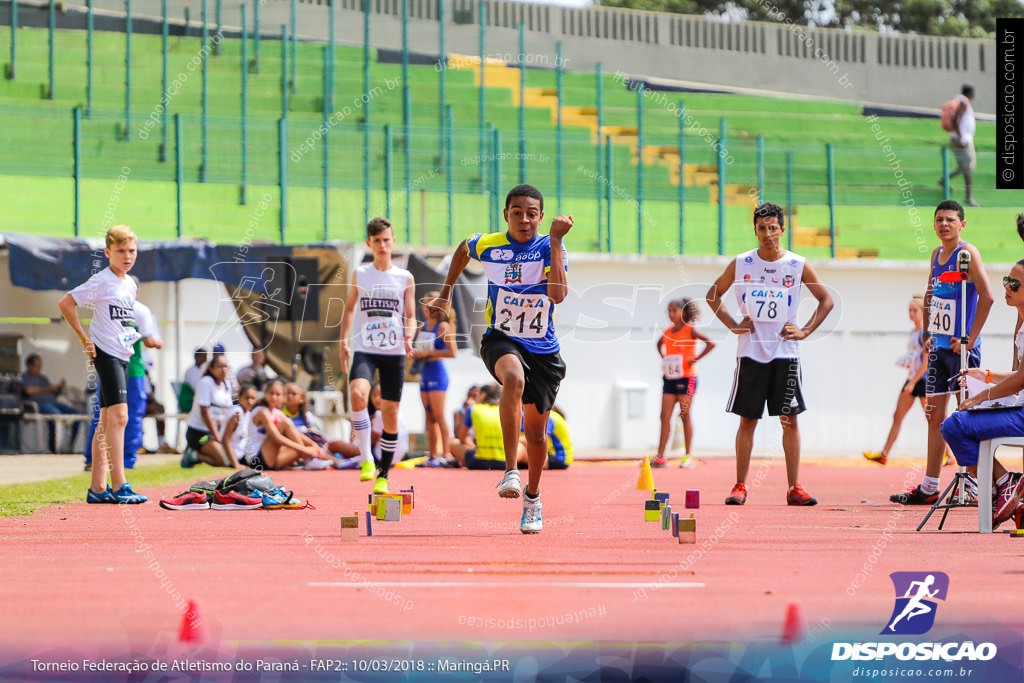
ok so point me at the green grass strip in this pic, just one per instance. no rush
(21, 500)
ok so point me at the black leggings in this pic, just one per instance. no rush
(110, 371)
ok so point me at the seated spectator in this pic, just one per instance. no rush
(481, 446)
(559, 442)
(273, 442)
(459, 416)
(37, 387)
(296, 408)
(210, 412)
(236, 430)
(187, 393)
(256, 374)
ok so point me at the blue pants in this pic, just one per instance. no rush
(965, 430)
(57, 408)
(133, 430)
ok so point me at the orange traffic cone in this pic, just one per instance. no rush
(646, 480)
(793, 626)
(193, 625)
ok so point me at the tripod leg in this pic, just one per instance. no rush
(940, 503)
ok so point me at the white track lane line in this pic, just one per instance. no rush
(482, 584)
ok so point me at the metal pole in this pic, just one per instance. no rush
(88, 58)
(640, 168)
(205, 97)
(831, 199)
(324, 141)
(282, 173)
(407, 176)
(242, 195)
(164, 99)
(295, 57)
(284, 70)
(442, 62)
(450, 131)
(256, 36)
(609, 174)
(522, 103)
(127, 69)
(52, 67)
(600, 153)
(179, 170)
(682, 176)
(406, 116)
(329, 105)
(12, 69)
(77, 142)
(216, 15)
(721, 186)
(496, 194)
(945, 172)
(366, 110)
(789, 199)
(760, 169)
(388, 164)
(558, 126)
(481, 117)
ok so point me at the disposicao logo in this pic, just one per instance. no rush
(917, 594)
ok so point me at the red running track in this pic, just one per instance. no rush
(459, 569)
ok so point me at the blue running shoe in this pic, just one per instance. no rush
(188, 458)
(127, 496)
(279, 499)
(105, 497)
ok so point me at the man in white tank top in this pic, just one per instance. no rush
(767, 281)
(380, 308)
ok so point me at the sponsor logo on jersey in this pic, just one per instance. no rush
(528, 256)
(514, 274)
(787, 281)
(501, 254)
(749, 259)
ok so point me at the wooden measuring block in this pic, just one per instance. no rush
(350, 527)
(688, 530)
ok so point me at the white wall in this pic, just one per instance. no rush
(608, 326)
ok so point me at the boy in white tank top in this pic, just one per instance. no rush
(767, 281)
(379, 321)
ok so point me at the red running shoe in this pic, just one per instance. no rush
(738, 495)
(231, 500)
(190, 500)
(797, 496)
(658, 461)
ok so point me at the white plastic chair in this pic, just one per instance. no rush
(986, 455)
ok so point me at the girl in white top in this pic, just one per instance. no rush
(109, 345)
(236, 430)
(913, 360)
(210, 412)
(273, 442)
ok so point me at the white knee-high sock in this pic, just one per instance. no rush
(361, 426)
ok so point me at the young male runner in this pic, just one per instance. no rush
(767, 282)
(381, 305)
(526, 277)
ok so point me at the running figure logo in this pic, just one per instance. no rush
(916, 595)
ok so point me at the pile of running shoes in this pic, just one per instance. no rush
(246, 489)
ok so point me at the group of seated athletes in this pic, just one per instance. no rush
(277, 431)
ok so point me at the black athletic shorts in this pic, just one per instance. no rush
(391, 369)
(943, 367)
(543, 371)
(919, 389)
(110, 373)
(196, 438)
(776, 383)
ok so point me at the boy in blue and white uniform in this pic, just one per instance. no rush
(526, 277)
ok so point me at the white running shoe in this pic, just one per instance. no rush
(317, 464)
(686, 462)
(510, 485)
(532, 522)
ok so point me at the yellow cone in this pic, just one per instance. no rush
(646, 480)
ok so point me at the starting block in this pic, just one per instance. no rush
(652, 511)
(350, 527)
(687, 530)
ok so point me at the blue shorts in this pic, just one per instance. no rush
(964, 430)
(474, 463)
(434, 377)
(943, 366)
(684, 386)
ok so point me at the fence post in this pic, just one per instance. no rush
(88, 58)
(721, 186)
(450, 131)
(442, 63)
(945, 172)
(282, 173)
(609, 176)
(50, 48)
(522, 103)
(366, 111)
(294, 80)
(164, 99)
(284, 69)
(77, 143)
(127, 69)
(600, 154)
(12, 69)
(216, 16)
(558, 128)
(256, 36)
(242, 193)
(789, 199)
(640, 168)
(408, 184)
(179, 170)
(496, 193)
(760, 169)
(388, 167)
(682, 175)
(205, 97)
(831, 200)
(329, 97)
(481, 117)
(406, 116)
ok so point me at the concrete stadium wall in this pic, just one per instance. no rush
(608, 326)
(904, 71)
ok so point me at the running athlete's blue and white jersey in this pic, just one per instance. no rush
(517, 287)
(944, 314)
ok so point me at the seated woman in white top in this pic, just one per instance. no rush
(236, 431)
(210, 411)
